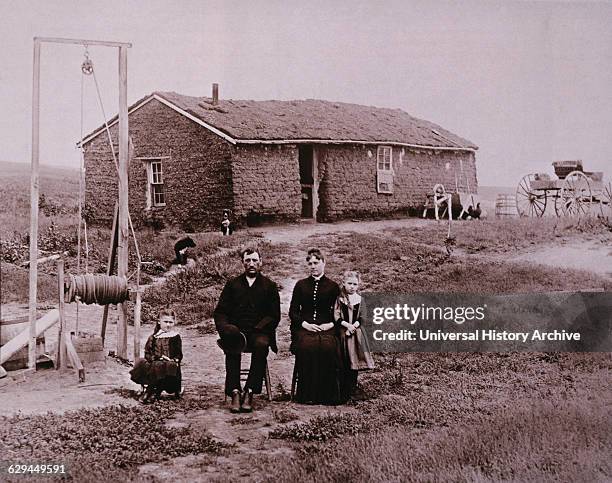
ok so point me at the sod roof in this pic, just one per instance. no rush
(312, 119)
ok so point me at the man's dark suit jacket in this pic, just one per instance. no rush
(251, 309)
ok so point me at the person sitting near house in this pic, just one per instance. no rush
(180, 250)
(227, 227)
(314, 340)
(246, 318)
(160, 370)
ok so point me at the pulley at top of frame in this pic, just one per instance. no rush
(87, 66)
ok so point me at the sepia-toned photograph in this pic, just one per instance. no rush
(331, 241)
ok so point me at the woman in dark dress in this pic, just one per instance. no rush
(314, 338)
(160, 370)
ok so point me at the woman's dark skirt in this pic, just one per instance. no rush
(317, 359)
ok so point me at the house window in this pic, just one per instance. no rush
(384, 170)
(156, 193)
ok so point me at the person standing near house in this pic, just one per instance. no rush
(313, 335)
(246, 318)
(227, 227)
(354, 346)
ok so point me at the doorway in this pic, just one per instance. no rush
(307, 180)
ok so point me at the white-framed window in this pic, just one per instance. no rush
(384, 158)
(156, 191)
(384, 169)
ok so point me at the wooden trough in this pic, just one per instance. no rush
(21, 339)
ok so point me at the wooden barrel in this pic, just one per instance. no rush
(9, 329)
(505, 206)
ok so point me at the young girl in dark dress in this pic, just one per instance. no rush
(160, 369)
(354, 347)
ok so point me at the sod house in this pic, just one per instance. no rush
(193, 157)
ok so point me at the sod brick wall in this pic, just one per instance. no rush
(347, 178)
(196, 171)
(266, 183)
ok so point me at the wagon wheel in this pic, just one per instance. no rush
(529, 202)
(575, 197)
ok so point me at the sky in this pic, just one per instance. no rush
(528, 82)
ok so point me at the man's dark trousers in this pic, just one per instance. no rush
(258, 344)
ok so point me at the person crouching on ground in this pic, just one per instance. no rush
(180, 250)
(354, 346)
(160, 370)
(246, 318)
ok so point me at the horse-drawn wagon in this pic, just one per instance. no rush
(574, 192)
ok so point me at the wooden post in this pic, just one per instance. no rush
(137, 315)
(122, 268)
(34, 205)
(315, 182)
(62, 362)
(112, 255)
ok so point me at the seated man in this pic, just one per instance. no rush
(248, 311)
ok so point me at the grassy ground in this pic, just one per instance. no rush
(500, 236)
(397, 263)
(457, 417)
(194, 292)
(451, 417)
(59, 189)
(425, 417)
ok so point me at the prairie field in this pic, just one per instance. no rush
(420, 416)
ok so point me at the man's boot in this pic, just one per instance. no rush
(235, 407)
(247, 401)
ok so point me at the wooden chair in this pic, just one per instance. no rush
(244, 372)
(294, 381)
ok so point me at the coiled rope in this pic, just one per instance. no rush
(96, 289)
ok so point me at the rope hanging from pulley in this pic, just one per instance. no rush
(96, 289)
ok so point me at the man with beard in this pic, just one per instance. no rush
(246, 318)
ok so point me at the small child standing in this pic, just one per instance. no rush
(160, 370)
(227, 228)
(353, 342)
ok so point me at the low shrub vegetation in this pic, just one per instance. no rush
(322, 428)
(103, 444)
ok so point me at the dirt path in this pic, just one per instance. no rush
(590, 255)
(294, 234)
